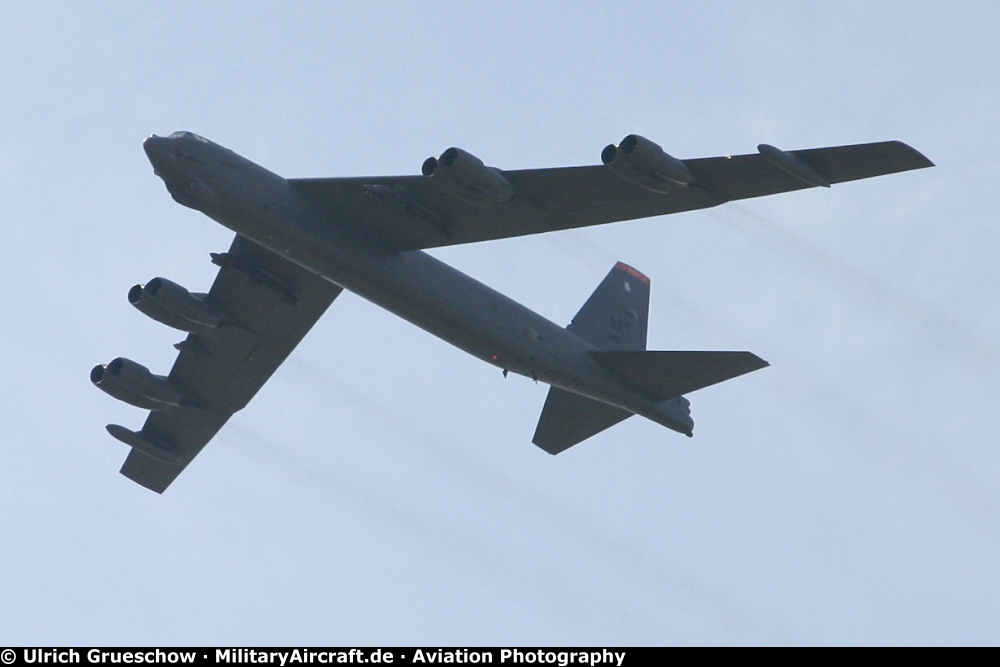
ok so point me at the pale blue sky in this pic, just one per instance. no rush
(382, 488)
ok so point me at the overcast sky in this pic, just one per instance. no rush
(383, 488)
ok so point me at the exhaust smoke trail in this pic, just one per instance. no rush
(576, 246)
(318, 385)
(979, 357)
(907, 312)
(490, 558)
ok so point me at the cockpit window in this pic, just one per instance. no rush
(188, 135)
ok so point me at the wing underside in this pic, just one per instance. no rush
(412, 212)
(269, 304)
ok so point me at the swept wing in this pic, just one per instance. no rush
(269, 305)
(412, 212)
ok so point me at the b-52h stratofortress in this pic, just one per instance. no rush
(300, 242)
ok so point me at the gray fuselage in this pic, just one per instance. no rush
(265, 208)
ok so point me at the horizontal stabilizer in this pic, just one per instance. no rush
(569, 418)
(665, 375)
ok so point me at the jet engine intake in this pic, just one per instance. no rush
(463, 175)
(170, 304)
(134, 384)
(641, 162)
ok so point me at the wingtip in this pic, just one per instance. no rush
(920, 161)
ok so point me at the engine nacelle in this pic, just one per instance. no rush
(170, 304)
(638, 160)
(463, 175)
(133, 383)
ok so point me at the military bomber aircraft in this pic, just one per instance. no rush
(300, 242)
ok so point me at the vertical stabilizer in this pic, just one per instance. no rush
(614, 319)
(616, 315)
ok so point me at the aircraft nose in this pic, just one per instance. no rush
(156, 148)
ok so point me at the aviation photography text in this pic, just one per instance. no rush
(312, 656)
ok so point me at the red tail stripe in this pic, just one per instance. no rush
(635, 273)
